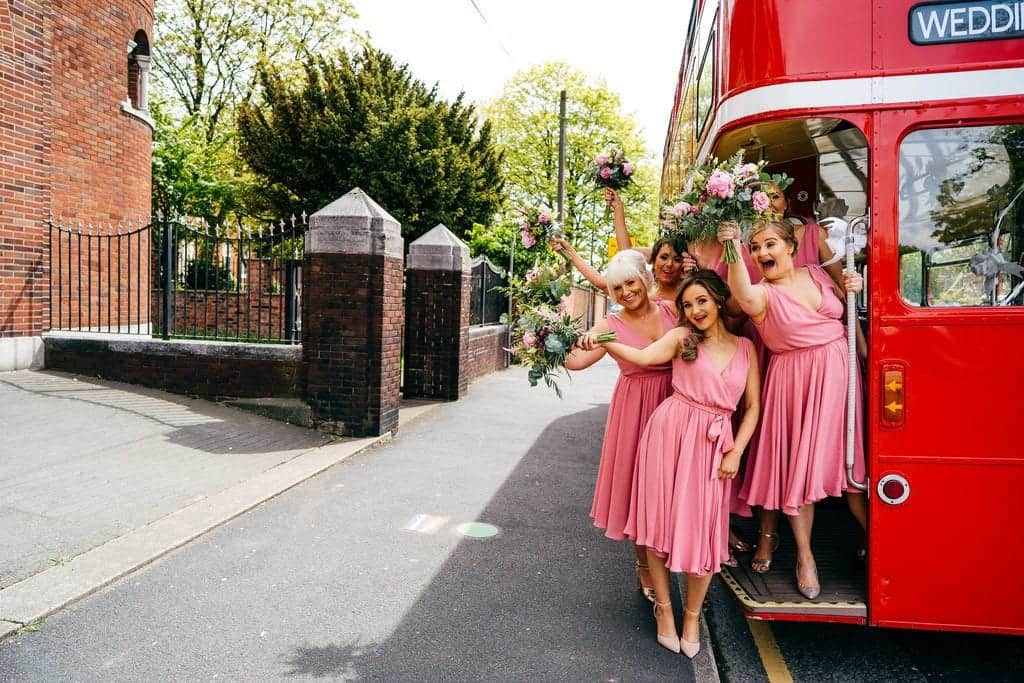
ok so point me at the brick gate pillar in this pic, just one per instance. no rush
(352, 316)
(437, 289)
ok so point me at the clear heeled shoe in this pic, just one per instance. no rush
(672, 642)
(648, 591)
(690, 648)
(810, 590)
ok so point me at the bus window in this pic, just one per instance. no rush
(705, 86)
(961, 227)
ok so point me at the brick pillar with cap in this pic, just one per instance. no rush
(437, 316)
(352, 316)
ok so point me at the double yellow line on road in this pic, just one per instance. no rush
(768, 649)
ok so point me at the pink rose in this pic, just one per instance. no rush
(760, 201)
(720, 185)
(601, 159)
(745, 171)
(681, 209)
(528, 239)
(525, 225)
(529, 340)
(627, 168)
(606, 173)
(694, 210)
(543, 218)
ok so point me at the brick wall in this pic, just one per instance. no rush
(211, 370)
(25, 157)
(353, 310)
(437, 333)
(486, 351)
(66, 147)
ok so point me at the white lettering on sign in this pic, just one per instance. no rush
(966, 21)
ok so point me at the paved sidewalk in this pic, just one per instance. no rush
(98, 478)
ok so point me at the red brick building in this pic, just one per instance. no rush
(75, 141)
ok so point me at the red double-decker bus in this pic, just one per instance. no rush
(911, 115)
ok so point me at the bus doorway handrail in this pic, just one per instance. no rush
(851, 347)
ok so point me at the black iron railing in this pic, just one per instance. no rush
(178, 279)
(486, 304)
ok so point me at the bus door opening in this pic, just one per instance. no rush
(828, 160)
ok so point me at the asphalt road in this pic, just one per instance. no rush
(365, 572)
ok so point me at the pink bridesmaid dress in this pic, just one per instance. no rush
(807, 249)
(638, 391)
(799, 457)
(680, 507)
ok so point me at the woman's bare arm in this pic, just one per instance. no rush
(661, 351)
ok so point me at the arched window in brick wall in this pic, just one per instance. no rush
(138, 71)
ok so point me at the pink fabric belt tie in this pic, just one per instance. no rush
(649, 372)
(808, 348)
(719, 431)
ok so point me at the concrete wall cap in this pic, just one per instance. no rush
(439, 249)
(354, 224)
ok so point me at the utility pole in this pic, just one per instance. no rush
(561, 160)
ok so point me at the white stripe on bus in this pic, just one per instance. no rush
(855, 92)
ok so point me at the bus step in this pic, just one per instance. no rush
(774, 596)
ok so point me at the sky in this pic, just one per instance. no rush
(476, 45)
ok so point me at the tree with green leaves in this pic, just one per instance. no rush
(363, 120)
(526, 125)
(206, 55)
(207, 52)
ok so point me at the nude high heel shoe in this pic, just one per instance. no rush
(668, 642)
(690, 649)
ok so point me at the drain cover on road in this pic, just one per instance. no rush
(477, 530)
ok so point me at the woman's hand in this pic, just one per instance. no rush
(586, 342)
(730, 465)
(689, 263)
(611, 198)
(727, 230)
(560, 244)
(852, 282)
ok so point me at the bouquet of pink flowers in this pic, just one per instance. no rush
(537, 226)
(544, 284)
(721, 191)
(612, 169)
(542, 338)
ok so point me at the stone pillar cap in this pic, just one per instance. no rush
(439, 249)
(354, 224)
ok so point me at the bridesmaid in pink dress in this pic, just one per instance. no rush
(799, 457)
(687, 455)
(638, 391)
(811, 250)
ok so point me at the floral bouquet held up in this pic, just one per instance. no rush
(544, 284)
(725, 191)
(542, 338)
(537, 226)
(612, 169)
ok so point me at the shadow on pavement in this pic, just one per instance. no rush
(548, 598)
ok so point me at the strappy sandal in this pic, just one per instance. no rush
(761, 565)
(648, 591)
(737, 544)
